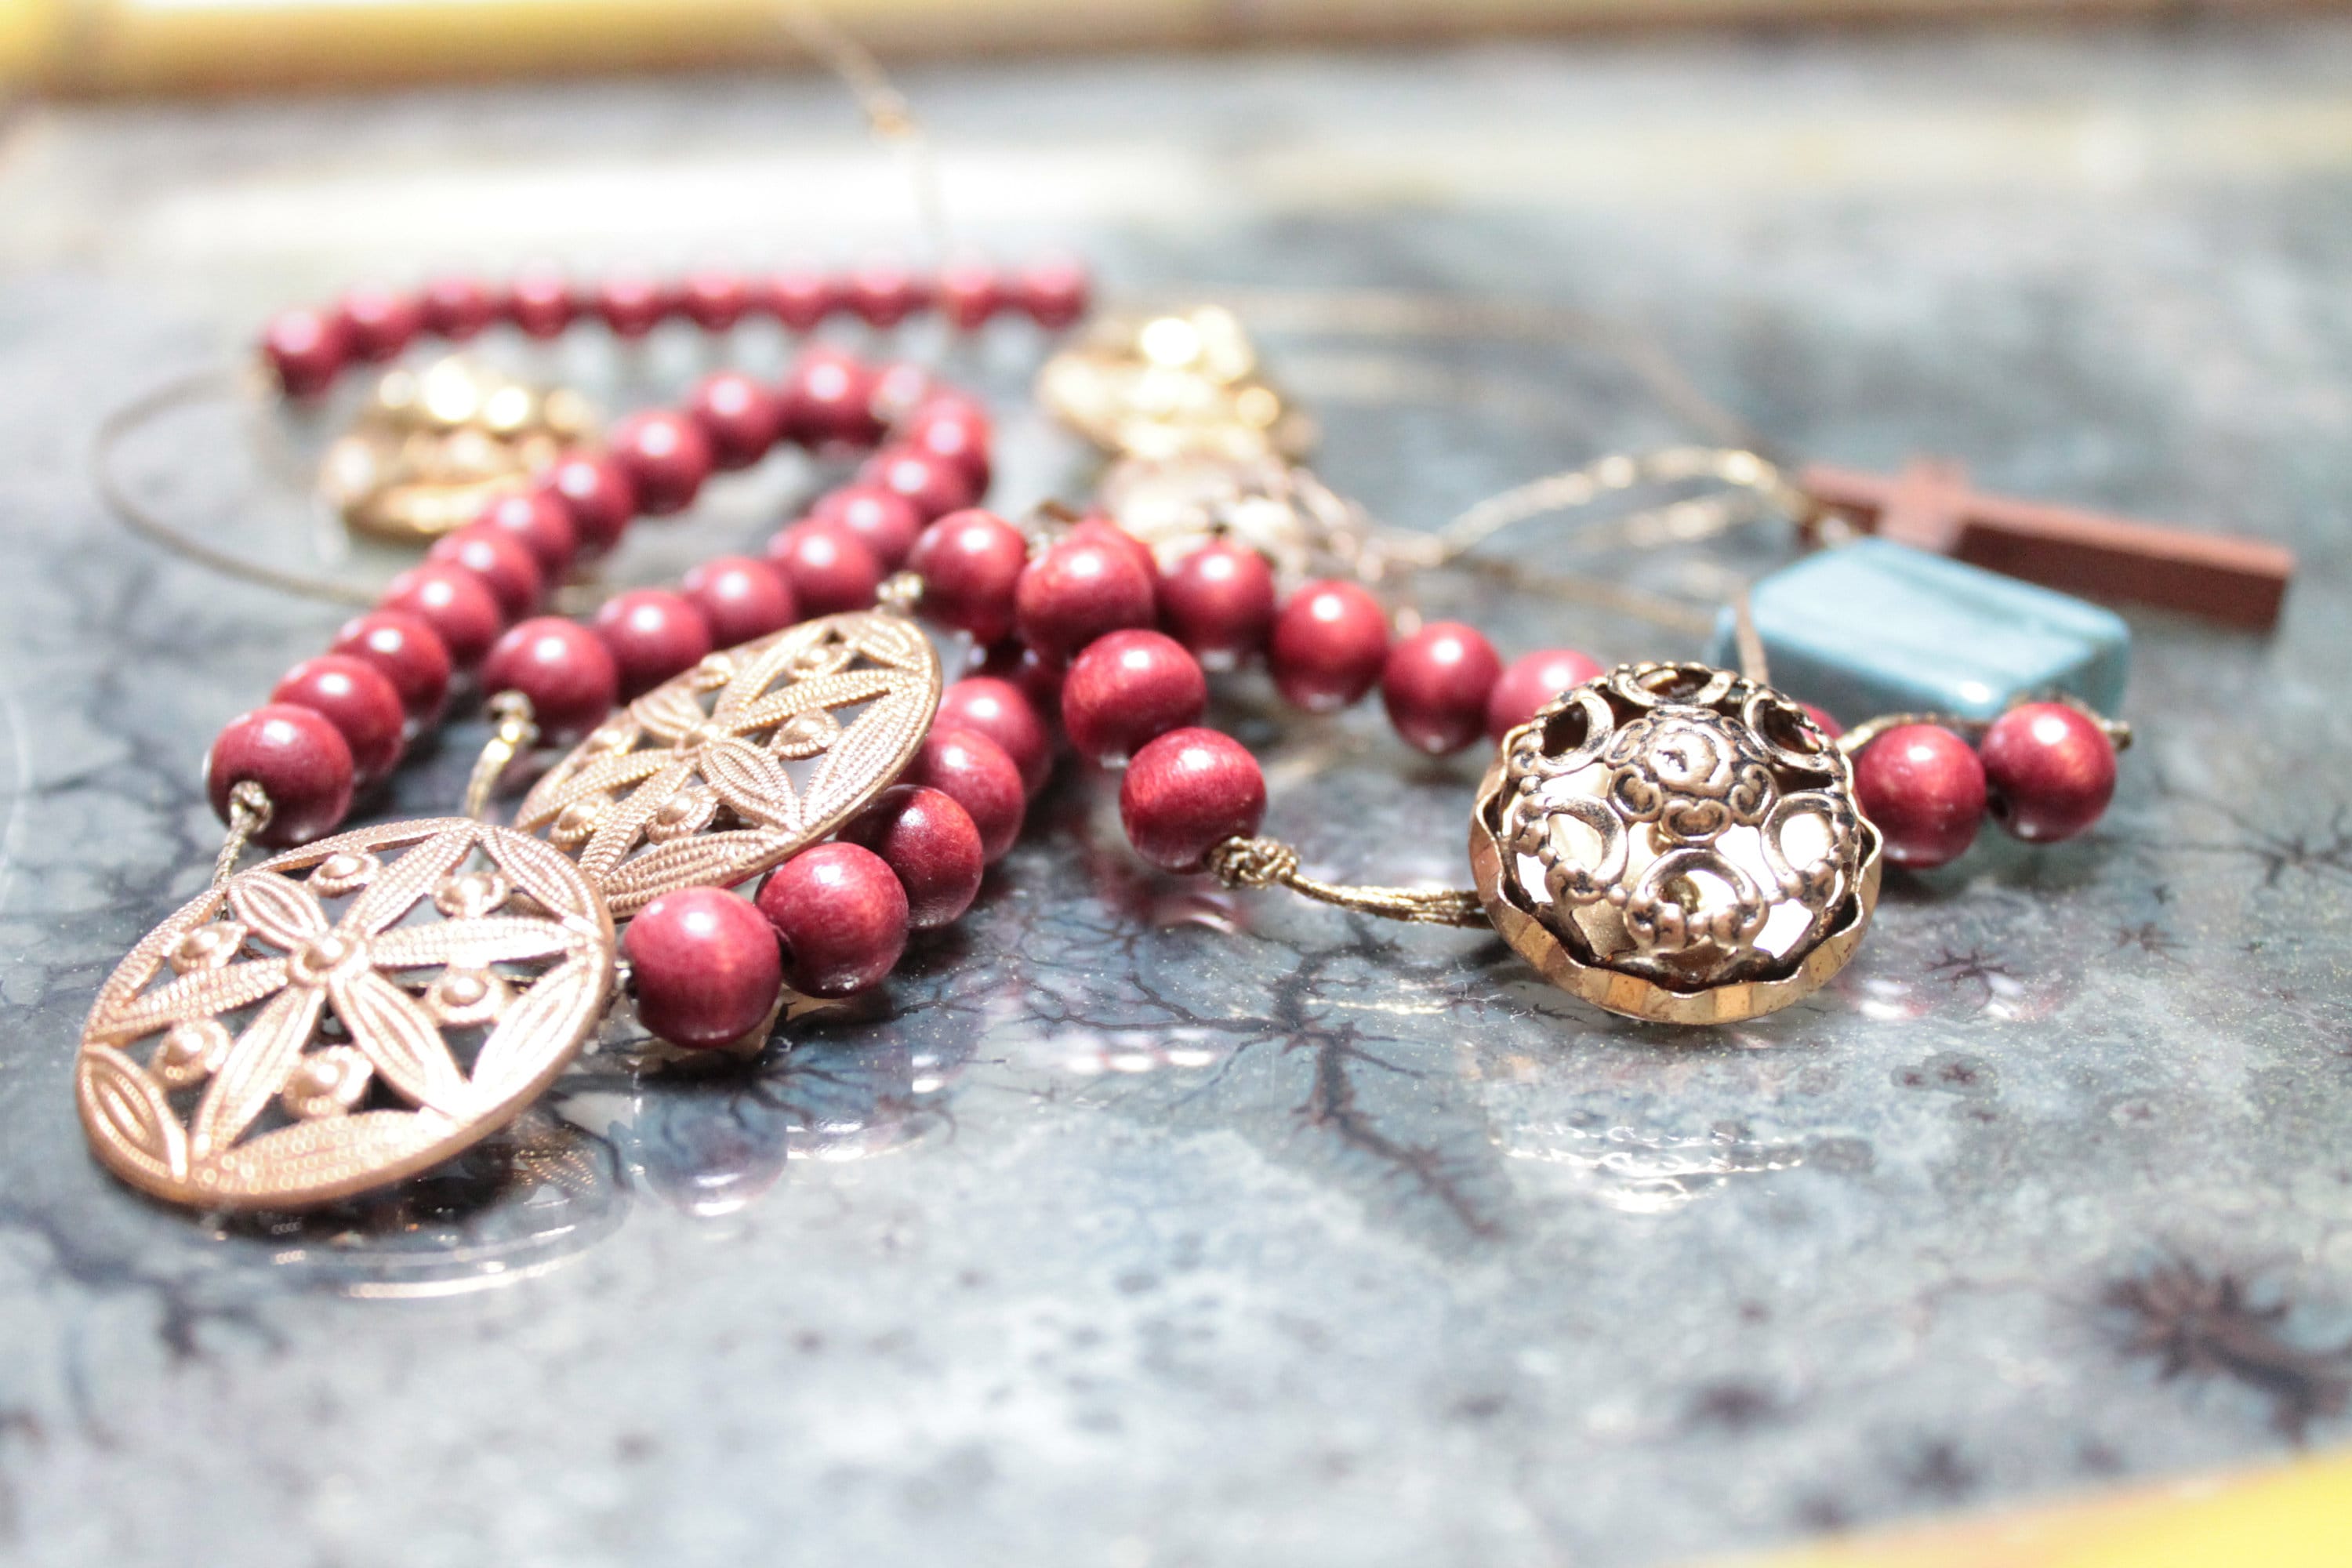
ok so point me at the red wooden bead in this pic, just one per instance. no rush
(570, 675)
(883, 293)
(1077, 591)
(498, 559)
(541, 523)
(886, 521)
(1330, 640)
(704, 965)
(360, 701)
(828, 399)
(300, 761)
(975, 772)
(970, 292)
(801, 298)
(1188, 792)
(1054, 290)
(652, 634)
(541, 302)
(971, 561)
(379, 322)
(930, 842)
(455, 603)
(1100, 530)
(631, 305)
(715, 300)
(457, 308)
(740, 598)
(1530, 683)
(829, 568)
(1127, 689)
(1039, 678)
(934, 486)
(667, 457)
(841, 913)
(1924, 788)
(1435, 686)
(901, 387)
(1218, 601)
(741, 417)
(410, 653)
(955, 427)
(2051, 771)
(997, 710)
(598, 495)
(307, 349)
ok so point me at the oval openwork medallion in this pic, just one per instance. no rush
(690, 784)
(1675, 843)
(289, 1038)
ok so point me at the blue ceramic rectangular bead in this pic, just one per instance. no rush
(1874, 628)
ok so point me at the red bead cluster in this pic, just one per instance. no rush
(2045, 771)
(339, 723)
(310, 348)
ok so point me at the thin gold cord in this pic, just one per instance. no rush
(1271, 863)
(250, 811)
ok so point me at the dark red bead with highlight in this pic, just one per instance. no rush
(1924, 788)
(409, 653)
(570, 675)
(1218, 601)
(540, 523)
(1188, 792)
(799, 299)
(704, 966)
(653, 634)
(379, 322)
(886, 521)
(300, 761)
(1329, 643)
(740, 598)
(969, 293)
(934, 486)
(499, 559)
(997, 710)
(739, 417)
(955, 427)
(360, 701)
(1435, 686)
(307, 349)
(458, 308)
(1129, 688)
(715, 300)
(1054, 290)
(829, 568)
(598, 495)
(542, 303)
(455, 602)
(2050, 771)
(883, 293)
(829, 399)
(842, 915)
(1077, 591)
(976, 772)
(930, 842)
(667, 457)
(630, 305)
(970, 563)
(1531, 682)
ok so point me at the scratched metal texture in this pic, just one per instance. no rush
(1138, 1225)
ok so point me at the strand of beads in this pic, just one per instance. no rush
(309, 347)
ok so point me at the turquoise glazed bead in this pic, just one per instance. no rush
(1874, 628)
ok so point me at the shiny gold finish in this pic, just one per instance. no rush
(314, 1036)
(513, 731)
(1180, 384)
(432, 445)
(1677, 844)
(687, 785)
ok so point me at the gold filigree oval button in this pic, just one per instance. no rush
(689, 787)
(1676, 843)
(333, 1034)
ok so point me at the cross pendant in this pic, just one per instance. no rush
(1929, 506)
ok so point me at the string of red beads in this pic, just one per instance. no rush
(2044, 771)
(308, 348)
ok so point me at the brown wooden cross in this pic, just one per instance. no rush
(1929, 506)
